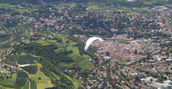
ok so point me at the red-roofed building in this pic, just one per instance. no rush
(132, 59)
(141, 56)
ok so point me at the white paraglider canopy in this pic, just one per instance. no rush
(90, 40)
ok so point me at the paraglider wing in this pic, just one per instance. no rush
(90, 40)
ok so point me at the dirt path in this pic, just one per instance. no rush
(29, 78)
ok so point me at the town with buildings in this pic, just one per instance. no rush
(47, 39)
(133, 57)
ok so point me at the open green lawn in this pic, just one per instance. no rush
(9, 83)
(121, 62)
(94, 7)
(74, 81)
(21, 27)
(22, 54)
(26, 86)
(85, 64)
(120, 10)
(56, 76)
(157, 37)
(21, 10)
(14, 7)
(42, 83)
(155, 1)
(5, 5)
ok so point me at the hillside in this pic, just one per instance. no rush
(42, 44)
(48, 59)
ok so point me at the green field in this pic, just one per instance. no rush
(22, 54)
(94, 7)
(85, 64)
(41, 79)
(155, 1)
(15, 8)
(5, 5)
(9, 83)
(121, 62)
(21, 10)
(21, 27)
(48, 58)
(26, 86)
(74, 81)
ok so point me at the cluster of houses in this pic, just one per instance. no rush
(133, 52)
(5, 52)
(108, 73)
(127, 49)
(150, 81)
(6, 68)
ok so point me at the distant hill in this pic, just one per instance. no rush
(84, 1)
